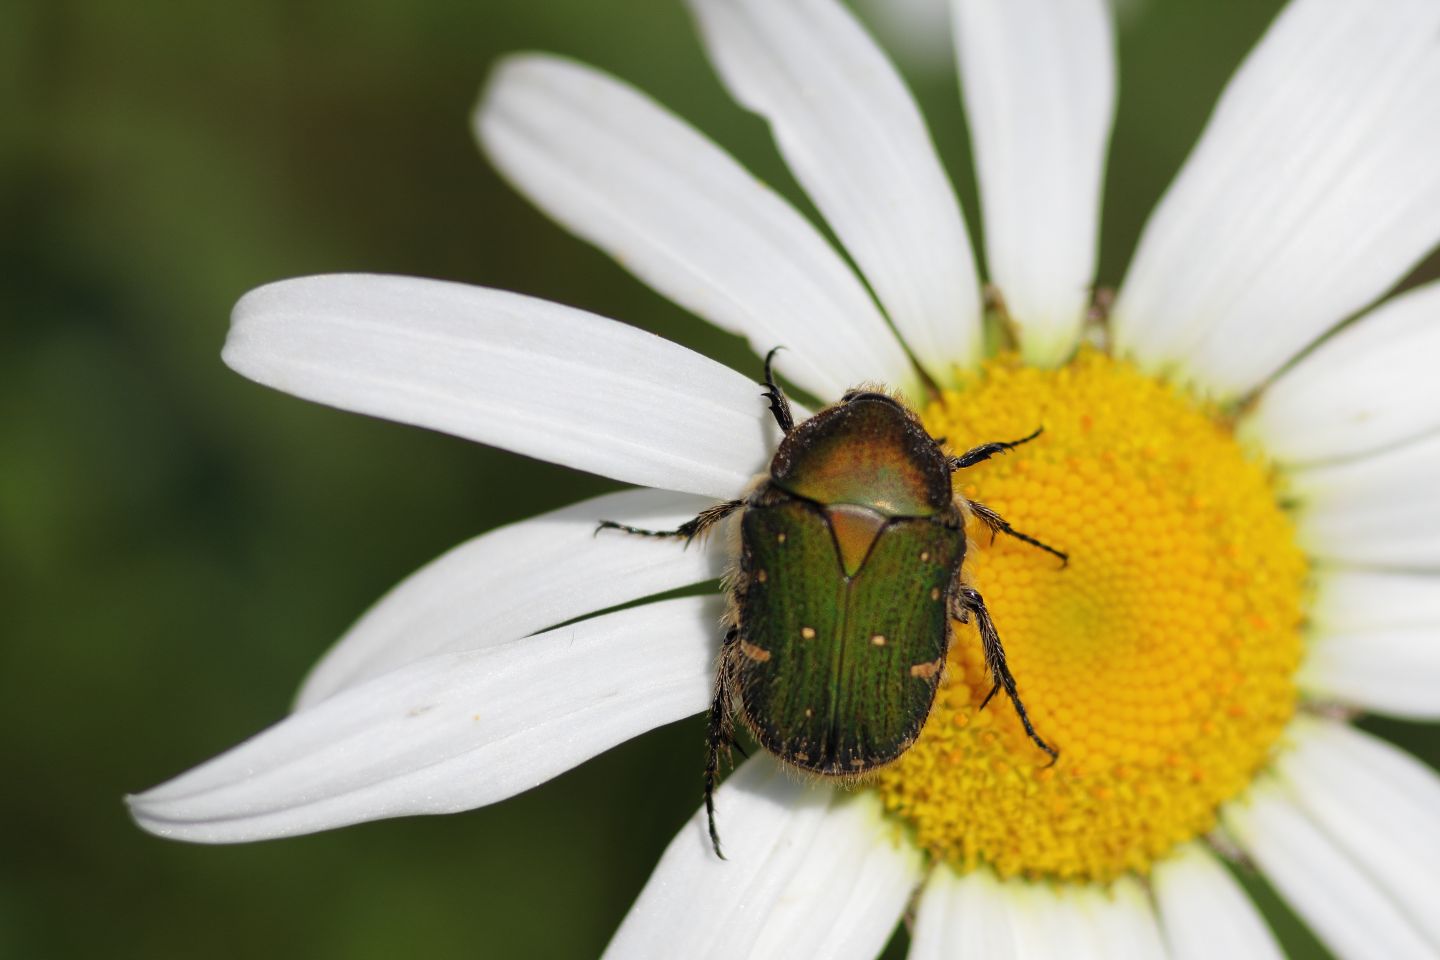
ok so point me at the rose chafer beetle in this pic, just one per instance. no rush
(850, 557)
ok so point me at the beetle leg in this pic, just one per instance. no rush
(987, 450)
(998, 524)
(688, 530)
(971, 600)
(718, 733)
(994, 689)
(779, 404)
(714, 739)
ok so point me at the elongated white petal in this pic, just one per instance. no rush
(525, 577)
(1205, 913)
(1377, 511)
(1372, 385)
(452, 731)
(810, 872)
(977, 917)
(1378, 804)
(1053, 922)
(1349, 600)
(1341, 902)
(530, 376)
(1391, 670)
(1124, 921)
(620, 171)
(849, 889)
(1315, 187)
(1039, 84)
(964, 917)
(856, 141)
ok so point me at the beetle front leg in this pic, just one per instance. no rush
(987, 450)
(969, 599)
(779, 403)
(998, 524)
(688, 530)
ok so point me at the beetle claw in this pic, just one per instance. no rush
(993, 690)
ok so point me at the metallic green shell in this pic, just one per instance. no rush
(837, 674)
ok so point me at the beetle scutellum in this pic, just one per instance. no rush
(851, 549)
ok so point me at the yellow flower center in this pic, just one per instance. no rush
(1159, 663)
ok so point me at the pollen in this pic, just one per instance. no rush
(1160, 662)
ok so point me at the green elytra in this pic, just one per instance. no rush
(839, 624)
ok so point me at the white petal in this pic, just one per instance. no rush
(1039, 84)
(620, 171)
(1348, 600)
(856, 141)
(530, 376)
(1390, 670)
(964, 917)
(452, 731)
(1378, 511)
(1052, 922)
(977, 916)
(1340, 901)
(1315, 187)
(849, 890)
(518, 579)
(1370, 386)
(1378, 804)
(809, 872)
(1124, 920)
(1205, 912)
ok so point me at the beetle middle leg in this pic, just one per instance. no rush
(998, 524)
(688, 530)
(968, 600)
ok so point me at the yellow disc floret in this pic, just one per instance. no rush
(1160, 662)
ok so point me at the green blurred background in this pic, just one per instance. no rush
(178, 545)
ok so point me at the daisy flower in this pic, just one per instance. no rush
(1243, 479)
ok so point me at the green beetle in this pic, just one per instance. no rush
(851, 548)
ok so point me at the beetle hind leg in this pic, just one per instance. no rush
(719, 734)
(688, 530)
(969, 599)
(715, 739)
